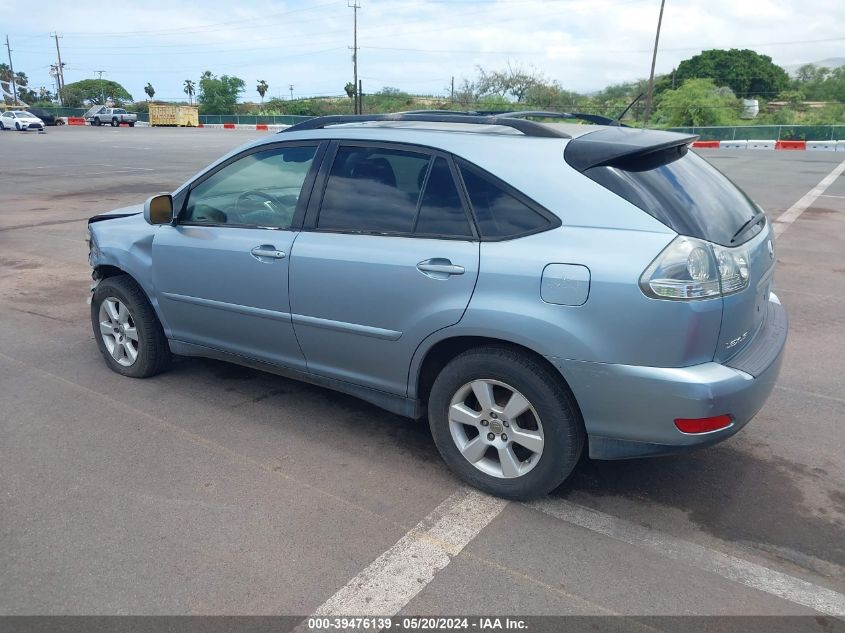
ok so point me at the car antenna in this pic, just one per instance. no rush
(630, 105)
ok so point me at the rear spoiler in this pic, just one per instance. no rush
(627, 148)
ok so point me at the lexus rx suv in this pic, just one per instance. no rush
(535, 289)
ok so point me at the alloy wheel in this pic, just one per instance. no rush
(118, 331)
(496, 428)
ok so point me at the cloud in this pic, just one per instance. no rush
(416, 46)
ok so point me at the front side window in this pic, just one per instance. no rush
(261, 189)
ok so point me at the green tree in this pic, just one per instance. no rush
(190, 90)
(350, 89)
(747, 73)
(697, 102)
(817, 83)
(93, 91)
(218, 95)
(513, 81)
(150, 90)
(261, 88)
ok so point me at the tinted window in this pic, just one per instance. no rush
(374, 190)
(441, 211)
(261, 189)
(499, 214)
(688, 195)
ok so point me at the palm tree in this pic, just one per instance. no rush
(149, 90)
(262, 88)
(5, 72)
(190, 89)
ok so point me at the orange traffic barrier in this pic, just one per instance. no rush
(75, 120)
(229, 126)
(710, 144)
(261, 126)
(791, 145)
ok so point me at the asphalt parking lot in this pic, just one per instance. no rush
(213, 489)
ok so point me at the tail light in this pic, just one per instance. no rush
(690, 268)
(703, 425)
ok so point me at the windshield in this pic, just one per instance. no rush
(688, 195)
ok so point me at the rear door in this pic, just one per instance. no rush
(389, 256)
(221, 273)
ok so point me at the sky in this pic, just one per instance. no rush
(416, 46)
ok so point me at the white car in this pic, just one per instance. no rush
(20, 120)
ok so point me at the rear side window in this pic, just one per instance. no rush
(499, 213)
(373, 190)
(441, 211)
(688, 195)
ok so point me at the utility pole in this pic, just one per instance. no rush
(650, 94)
(12, 70)
(452, 95)
(360, 97)
(60, 77)
(353, 4)
(291, 92)
(102, 86)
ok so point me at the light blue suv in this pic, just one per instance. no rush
(530, 287)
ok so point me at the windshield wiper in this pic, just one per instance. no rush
(754, 221)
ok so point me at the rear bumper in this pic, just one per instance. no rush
(629, 411)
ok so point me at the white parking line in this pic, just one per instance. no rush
(794, 212)
(736, 569)
(394, 578)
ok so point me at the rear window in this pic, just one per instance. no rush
(688, 195)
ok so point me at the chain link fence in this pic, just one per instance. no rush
(767, 132)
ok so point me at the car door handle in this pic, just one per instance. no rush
(439, 268)
(267, 250)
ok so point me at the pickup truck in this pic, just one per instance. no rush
(113, 116)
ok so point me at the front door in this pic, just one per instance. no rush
(221, 273)
(391, 258)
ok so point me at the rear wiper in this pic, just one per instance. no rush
(754, 221)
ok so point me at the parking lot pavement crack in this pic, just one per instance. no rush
(745, 572)
(15, 227)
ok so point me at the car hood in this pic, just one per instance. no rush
(122, 212)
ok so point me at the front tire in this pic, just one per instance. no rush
(127, 329)
(505, 423)
(114, 123)
(97, 122)
(18, 127)
(132, 124)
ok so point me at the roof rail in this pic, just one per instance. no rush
(598, 119)
(529, 128)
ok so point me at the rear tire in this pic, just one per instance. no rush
(115, 123)
(532, 417)
(127, 330)
(131, 124)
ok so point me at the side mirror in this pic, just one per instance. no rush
(159, 209)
